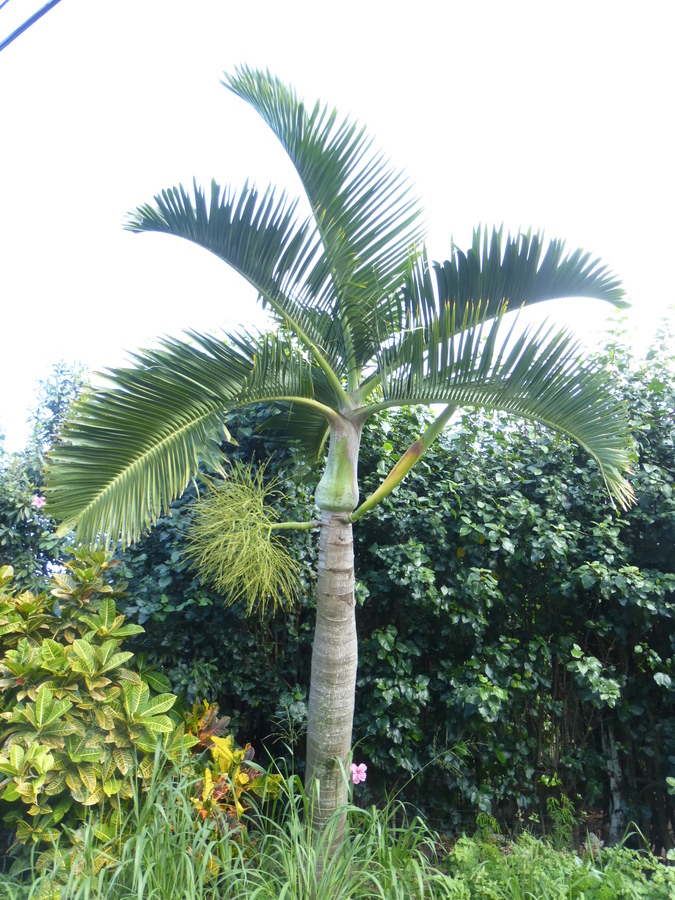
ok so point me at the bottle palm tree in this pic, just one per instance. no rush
(366, 322)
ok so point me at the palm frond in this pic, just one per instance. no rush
(520, 270)
(536, 373)
(129, 450)
(365, 214)
(280, 369)
(259, 237)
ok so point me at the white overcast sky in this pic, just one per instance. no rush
(556, 115)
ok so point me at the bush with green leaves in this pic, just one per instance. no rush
(81, 719)
(526, 620)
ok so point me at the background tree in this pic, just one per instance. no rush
(366, 323)
(28, 541)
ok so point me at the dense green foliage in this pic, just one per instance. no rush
(512, 625)
(388, 855)
(529, 868)
(508, 635)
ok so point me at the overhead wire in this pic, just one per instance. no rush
(26, 25)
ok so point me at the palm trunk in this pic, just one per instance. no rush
(334, 653)
(333, 678)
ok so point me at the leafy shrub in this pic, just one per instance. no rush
(221, 794)
(81, 719)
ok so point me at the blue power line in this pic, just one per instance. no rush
(20, 30)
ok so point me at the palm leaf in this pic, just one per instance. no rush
(364, 211)
(259, 237)
(300, 424)
(536, 373)
(520, 272)
(130, 450)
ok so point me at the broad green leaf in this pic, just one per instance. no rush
(61, 808)
(107, 767)
(59, 709)
(85, 653)
(88, 777)
(124, 760)
(134, 698)
(157, 681)
(16, 755)
(107, 612)
(117, 660)
(11, 794)
(95, 797)
(56, 784)
(111, 787)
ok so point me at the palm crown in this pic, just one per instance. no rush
(366, 320)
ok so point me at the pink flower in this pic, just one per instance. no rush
(38, 502)
(358, 772)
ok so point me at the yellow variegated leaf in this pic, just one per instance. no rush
(158, 725)
(124, 760)
(94, 798)
(146, 767)
(127, 792)
(43, 706)
(88, 777)
(16, 755)
(207, 789)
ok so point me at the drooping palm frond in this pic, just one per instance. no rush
(303, 424)
(364, 211)
(494, 275)
(538, 374)
(131, 449)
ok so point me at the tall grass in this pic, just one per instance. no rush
(168, 853)
(165, 856)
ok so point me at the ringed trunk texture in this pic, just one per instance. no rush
(333, 677)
